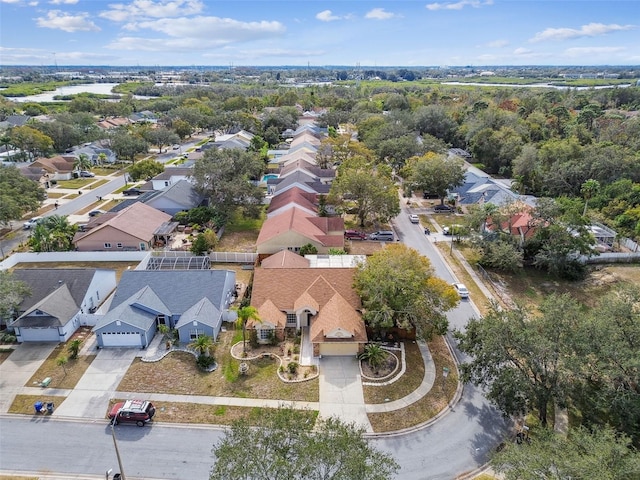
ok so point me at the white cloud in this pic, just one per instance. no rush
(497, 44)
(459, 5)
(33, 4)
(10, 1)
(327, 16)
(588, 51)
(589, 30)
(522, 51)
(263, 53)
(381, 14)
(63, 2)
(121, 12)
(69, 23)
(38, 56)
(196, 33)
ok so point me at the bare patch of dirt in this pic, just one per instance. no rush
(242, 241)
(387, 368)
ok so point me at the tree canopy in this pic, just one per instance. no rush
(433, 173)
(12, 293)
(18, 194)
(225, 176)
(399, 289)
(53, 234)
(285, 443)
(366, 189)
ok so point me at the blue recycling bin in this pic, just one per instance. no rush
(37, 407)
(50, 407)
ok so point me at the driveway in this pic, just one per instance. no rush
(16, 370)
(341, 392)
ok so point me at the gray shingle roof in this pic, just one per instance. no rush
(58, 308)
(179, 290)
(43, 281)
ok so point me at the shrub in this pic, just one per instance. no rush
(292, 367)
(205, 361)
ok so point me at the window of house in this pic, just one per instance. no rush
(119, 245)
(107, 245)
(292, 319)
(264, 333)
(194, 333)
(161, 320)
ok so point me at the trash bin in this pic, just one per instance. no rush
(50, 407)
(37, 407)
(117, 476)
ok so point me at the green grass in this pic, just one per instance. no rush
(238, 223)
(75, 183)
(31, 88)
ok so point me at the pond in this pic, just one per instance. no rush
(98, 88)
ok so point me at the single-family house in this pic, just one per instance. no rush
(302, 180)
(61, 300)
(319, 302)
(478, 188)
(113, 122)
(96, 153)
(145, 116)
(171, 175)
(294, 197)
(177, 197)
(137, 227)
(59, 167)
(324, 175)
(276, 162)
(294, 228)
(193, 302)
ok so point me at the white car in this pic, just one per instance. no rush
(461, 289)
(413, 218)
(32, 222)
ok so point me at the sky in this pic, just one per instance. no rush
(319, 33)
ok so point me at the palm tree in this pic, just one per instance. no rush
(374, 355)
(83, 162)
(244, 314)
(62, 362)
(74, 348)
(102, 157)
(202, 345)
(589, 189)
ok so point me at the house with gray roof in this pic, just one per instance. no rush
(300, 179)
(193, 302)
(178, 197)
(61, 300)
(479, 187)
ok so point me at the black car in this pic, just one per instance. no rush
(132, 191)
(442, 209)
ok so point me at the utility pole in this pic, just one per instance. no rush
(115, 444)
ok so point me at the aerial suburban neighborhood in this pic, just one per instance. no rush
(318, 272)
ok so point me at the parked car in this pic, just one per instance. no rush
(176, 147)
(132, 411)
(454, 229)
(461, 289)
(32, 222)
(355, 235)
(132, 191)
(442, 209)
(87, 174)
(382, 235)
(413, 218)
(95, 213)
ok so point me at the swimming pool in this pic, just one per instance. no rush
(266, 177)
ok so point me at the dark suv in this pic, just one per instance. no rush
(132, 411)
(132, 191)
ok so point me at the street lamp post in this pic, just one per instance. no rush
(445, 374)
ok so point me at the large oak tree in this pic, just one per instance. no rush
(399, 289)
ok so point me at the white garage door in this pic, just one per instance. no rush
(39, 335)
(338, 349)
(121, 339)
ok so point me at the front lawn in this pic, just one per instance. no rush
(177, 373)
(23, 404)
(428, 406)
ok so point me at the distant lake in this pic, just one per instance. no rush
(99, 88)
(532, 85)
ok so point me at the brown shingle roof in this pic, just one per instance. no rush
(268, 312)
(285, 259)
(285, 285)
(337, 314)
(316, 228)
(294, 195)
(138, 220)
